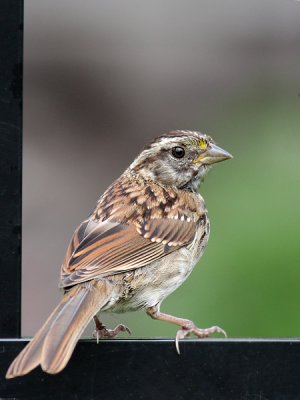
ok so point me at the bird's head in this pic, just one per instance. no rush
(179, 159)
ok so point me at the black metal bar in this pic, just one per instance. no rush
(11, 65)
(151, 369)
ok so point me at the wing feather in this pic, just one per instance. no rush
(121, 236)
(119, 247)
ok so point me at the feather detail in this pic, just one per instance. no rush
(126, 233)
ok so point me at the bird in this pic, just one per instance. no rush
(140, 243)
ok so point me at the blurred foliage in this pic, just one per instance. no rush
(247, 282)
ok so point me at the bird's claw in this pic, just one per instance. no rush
(200, 333)
(104, 332)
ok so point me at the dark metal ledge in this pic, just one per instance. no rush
(151, 369)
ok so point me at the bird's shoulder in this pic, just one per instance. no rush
(132, 200)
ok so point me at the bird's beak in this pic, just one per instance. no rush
(212, 155)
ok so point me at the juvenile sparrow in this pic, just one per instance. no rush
(142, 241)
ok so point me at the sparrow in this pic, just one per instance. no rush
(146, 234)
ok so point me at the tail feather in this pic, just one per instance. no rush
(69, 326)
(53, 344)
(30, 356)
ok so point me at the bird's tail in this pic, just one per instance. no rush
(53, 344)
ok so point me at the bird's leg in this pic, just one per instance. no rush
(186, 325)
(102, 332)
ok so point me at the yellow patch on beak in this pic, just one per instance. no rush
(198, 159)
(202, 144)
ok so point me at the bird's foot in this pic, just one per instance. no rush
(101, 331)
(200, 333)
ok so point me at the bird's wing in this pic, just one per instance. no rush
(125, 238)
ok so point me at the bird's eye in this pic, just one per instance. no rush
(178, 152)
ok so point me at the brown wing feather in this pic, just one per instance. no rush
(168, 231)
(125, 233)
(119, 249)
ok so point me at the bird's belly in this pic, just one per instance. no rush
(150, 285)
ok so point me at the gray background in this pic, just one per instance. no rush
(104, 77)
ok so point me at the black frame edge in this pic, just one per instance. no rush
(243, 369)
(11, 82)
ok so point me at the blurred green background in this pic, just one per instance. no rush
(248, 279)
(102, 79)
